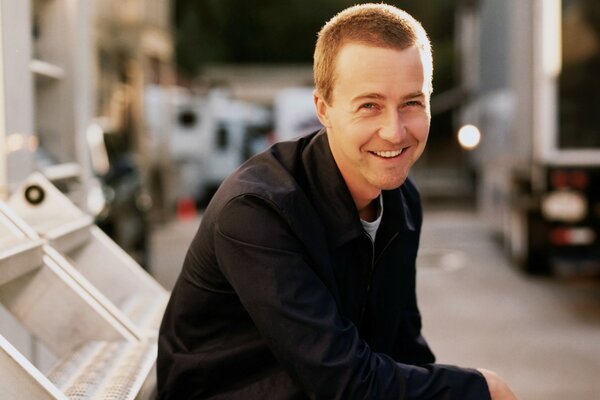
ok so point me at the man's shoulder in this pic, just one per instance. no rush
(272, 174)
(275, 177)
(266, 194)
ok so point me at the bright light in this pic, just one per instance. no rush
(15, 142)
(469, 137)
(565, 205)
(96, 201)
(551, 36)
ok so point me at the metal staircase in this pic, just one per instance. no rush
(73, 289)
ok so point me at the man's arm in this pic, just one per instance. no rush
(298, 317)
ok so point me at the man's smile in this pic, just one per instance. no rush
(387, 153)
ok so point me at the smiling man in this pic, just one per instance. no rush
(378, 123)
(300, 282)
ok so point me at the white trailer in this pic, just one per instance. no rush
(531, 68)
(294, 113)
(212, 135)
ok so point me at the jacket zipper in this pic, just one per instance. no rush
(371, 270)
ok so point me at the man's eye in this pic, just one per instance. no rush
(369, 106)
(414, 103)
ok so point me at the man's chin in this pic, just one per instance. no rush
(391, 183)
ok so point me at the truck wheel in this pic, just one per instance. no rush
(525, 242)
(536, 260)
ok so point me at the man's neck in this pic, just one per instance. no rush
(370, 211)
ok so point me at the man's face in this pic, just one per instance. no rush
(378, 118)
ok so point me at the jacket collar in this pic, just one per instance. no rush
(331, 197)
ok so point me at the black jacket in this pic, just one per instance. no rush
(283, 295)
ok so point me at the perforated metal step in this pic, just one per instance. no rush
(105, 370)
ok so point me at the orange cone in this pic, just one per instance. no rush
(186, 209)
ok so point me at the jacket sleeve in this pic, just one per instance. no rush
(298, 317)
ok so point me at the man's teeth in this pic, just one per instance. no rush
(388, 154)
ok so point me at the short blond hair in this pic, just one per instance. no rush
(379, 25)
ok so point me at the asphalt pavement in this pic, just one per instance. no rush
(541, 334)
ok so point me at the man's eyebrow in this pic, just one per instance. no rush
(379, 96)
(418, 93)
(367, 96)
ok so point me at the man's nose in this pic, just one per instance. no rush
(394, 127)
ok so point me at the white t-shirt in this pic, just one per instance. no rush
(371, 227)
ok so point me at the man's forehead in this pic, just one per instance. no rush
(351, 48)
(355, 60)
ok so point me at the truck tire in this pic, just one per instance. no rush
(536, 258)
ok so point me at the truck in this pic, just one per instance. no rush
(212, 134)
(294, 113)
(531, 85)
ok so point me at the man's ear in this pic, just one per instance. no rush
(321, 108)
